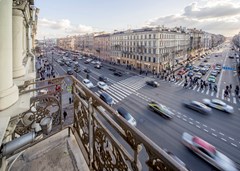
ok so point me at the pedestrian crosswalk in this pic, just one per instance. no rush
(122, 89)
(219, 94)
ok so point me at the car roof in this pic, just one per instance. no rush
(200, 142)
(218, 101)
(198, 103)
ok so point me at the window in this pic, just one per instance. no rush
(149, 59)
(145, 58)
(154, 60)
(149, 36)
(154, 51)
(141, 58)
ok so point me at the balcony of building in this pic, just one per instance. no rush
(91, 137)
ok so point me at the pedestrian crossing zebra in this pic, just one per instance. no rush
(122, 89)
(219, 94)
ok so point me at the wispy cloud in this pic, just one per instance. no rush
(215, 16)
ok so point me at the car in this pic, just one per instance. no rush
(87, 70)
(214, 73)
(68, 64)
(152, 83)
(218, 68)
(174, 157)
(126, 115)
(196, 69)
(118, 73)
(201, 65)
(87, 61)
(198, 75)
(216, 55)
(206, 68)
(76, 69)
(218, 64)
(102, 85)
(61, 63)
(198, 106)
(69, 71)
(181, 72)
(103, 78)
(112, 69)
(76, 63)
(191, 73)
(160, 109)
(208, 152)
(205, 60)
(208, 57)
(218, 104)
(98, 66)
(231, 57)
(106, 98)
(87, 83)
(203, 71)
(211, 79)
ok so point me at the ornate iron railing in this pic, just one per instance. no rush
(106, 140)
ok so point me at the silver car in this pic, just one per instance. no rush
(218, 104)
(208, 152)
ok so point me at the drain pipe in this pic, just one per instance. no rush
(17, 143)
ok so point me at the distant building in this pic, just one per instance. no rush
(101, 47)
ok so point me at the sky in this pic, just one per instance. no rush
(61, 18)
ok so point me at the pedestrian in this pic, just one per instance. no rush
(70, 100)
(64, 115)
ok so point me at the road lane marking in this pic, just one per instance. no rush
(194, 87)
(191, 119)
(198, 126)
(213, 129)
(205, 130)
(207, 91)
(179, 113)
(203, 91)
(234, 145)
(212, 93)
(190, 122)
(231, 138)
(234, 100)
(224, 139)
(198, 122)
(221, 133)
(214, 134)
(184, 116)
(184, 119)
(178, 116)
(198, 89)
(205, 125)
(220, 79)
(222, 94)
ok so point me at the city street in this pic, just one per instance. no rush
(131, 92)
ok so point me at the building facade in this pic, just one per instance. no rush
(149, 49)
(101, 47)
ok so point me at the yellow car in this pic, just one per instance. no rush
(160, 109)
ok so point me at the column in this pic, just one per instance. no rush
(8, 91)
(18, 68)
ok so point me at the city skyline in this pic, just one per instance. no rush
(218, 17)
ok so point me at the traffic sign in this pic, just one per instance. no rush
(228, 68)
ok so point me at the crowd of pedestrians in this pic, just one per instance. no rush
(45, 69)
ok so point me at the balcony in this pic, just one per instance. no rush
(105, 140)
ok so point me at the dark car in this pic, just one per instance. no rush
(231, 57)
(118, 73)
(61, 63)
(76, 69)
(198, 106)
(106, 98)
(152, 83)
(205, 60)
(102, 78)
(112, 69)
(126, 115)
(68, 64)
(69, 71)
(203, 71)
(87, 70)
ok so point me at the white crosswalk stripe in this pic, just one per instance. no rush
(219, 94)
(122, 89)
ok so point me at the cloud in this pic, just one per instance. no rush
(60, 28)
(215, 16)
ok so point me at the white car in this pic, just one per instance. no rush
(218, 104)
(93, 62)
(75, 62)
(102, 85)
(208, 152)
(88, 83)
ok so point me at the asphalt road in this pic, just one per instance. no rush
(130, 92)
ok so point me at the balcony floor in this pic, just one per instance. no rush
(57, 153)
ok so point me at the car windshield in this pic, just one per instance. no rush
(102, 84)
(127, 116)
(87, 82)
